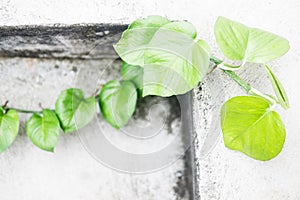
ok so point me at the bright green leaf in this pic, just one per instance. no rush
(239, 42)
(176, 67)
(73, 110)
(43, 131)
(182, 27)
(250, 126)
(117, 102)
(9, 128)
(205, 46)
(131, 47)
(134, 74)
(153, 21)
(278, 88)
(173, 62)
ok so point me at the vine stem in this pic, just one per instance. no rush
(243, 84)
(250, 90)
(24, 111)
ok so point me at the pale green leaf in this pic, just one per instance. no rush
(176, 64)
(182, 27)
(43, 131)
(131, 47)
(250, 126)
(152, 21)
(173, 62)
(239, 42)
(175, 68)
(134, 74)
(9, 128)
(205, 46)
(278, 88)
(117, 102)
(74, 110)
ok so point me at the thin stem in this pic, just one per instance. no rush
(238, 80)
(250, 90)
(23, 110)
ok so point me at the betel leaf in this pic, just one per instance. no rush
(43, 131)
(250, 126)
(278, 88)
(173, 62)
(74, 110)
(117, 102)
(9, 128)
(134, 74)
(183, 27)
(239, 42)
(176, 67)
(134, 41)
(154, 21)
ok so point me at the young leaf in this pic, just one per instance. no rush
(278, 88)
(43, 131)
(117, 102)
(73, 110)
(250, 126)
(153, 21)
(131, 47)
(9, 128)
(182, 27)
(173, 62)
(176, 66)
(239, 42)
(134, 74)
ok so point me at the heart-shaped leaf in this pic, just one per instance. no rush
(117, 102)
(154, 21)
(43, 131)
(250, 126)
(239, 42)
(173, 62)
(176, 67)
(9, 128)
(134, 74)
(73, 110)
(134, 41)
(278, 88)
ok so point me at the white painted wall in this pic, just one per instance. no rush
(224, 174)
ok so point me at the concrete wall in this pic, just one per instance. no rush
(224, 174)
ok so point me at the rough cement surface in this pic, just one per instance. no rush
(224, 174)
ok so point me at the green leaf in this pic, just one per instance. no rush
(134, 41)
(153, 21)
(173, 62)
(134, 74)
(239, 42)
(182, 27)
(278, 88)
(117, 102)
(9, 128)
(176, 67)
(250, 126)
(73, 110)
(205, 46)
(43, 131)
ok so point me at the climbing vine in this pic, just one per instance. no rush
(165, 58)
